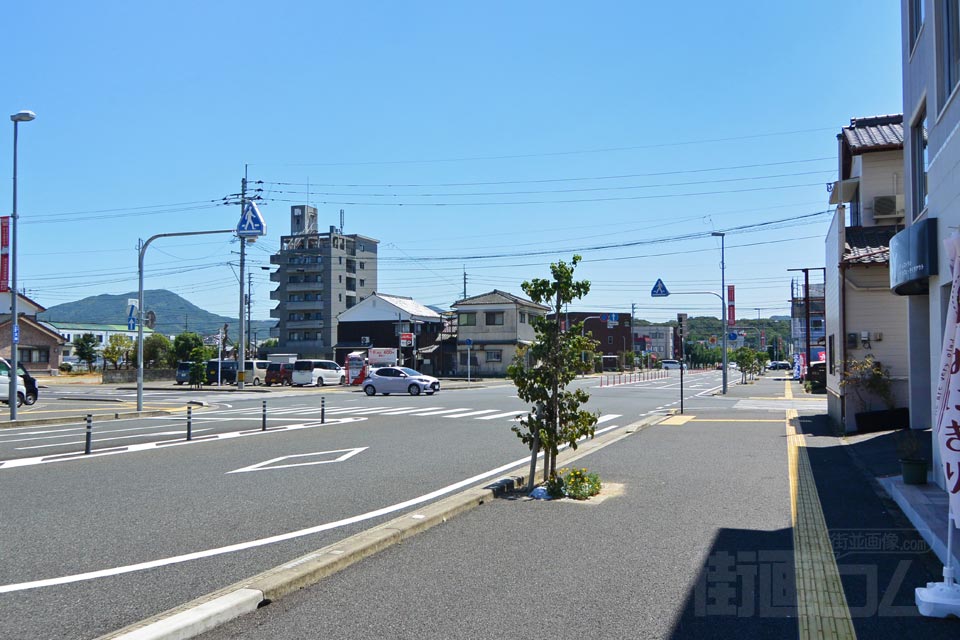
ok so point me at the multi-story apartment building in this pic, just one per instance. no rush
(318, 276)
(808, 290)
(656, 340)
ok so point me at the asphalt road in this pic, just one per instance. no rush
(99, 542)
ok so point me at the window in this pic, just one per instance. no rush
(919, 163)
(360, 246)
(295, 298)
(948, 48)
(363, 266)
(916, 20)
(467, 320)
(494, 318)
(340, 260)
(362, 282)
(494, 356)
(522, 317)
(609, 339)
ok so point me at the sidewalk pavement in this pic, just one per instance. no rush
(743, 517)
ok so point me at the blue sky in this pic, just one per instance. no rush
(491, 138)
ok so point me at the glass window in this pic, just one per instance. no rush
(916, 19)
(920, 162)
(494, 356)
(468, 319)
(522, 317)
(494, 318)
(948, 48)
(609, 339)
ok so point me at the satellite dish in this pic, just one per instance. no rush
(150, 319)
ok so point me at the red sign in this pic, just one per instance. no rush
(731, 315)
(4, 234)
(730, 298)
(406, 339)
(4, 272)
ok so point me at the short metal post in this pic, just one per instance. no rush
(86, 449)
(323, 410)
(189, 423)
(263, 426)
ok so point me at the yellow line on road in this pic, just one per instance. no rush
(732, 420)
(677, 420)
(822, 610)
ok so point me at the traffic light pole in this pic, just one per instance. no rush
(143, 250)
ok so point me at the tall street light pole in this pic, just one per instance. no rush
(723, 302)
(759, 332)
(17, 118)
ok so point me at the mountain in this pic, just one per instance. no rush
(174, 314)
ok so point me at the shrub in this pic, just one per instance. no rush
(66, 367)
(554, 485)
(580, 485)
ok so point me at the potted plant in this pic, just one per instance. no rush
(913, 463)
(868, 380)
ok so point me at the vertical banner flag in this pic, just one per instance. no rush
(731, 310)
(4, 254)
(947, 422)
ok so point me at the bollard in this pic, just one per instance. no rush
(86, 449)
(323, 410)
(263, 426)
(189, 423)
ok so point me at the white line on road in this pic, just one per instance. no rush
(79, 442)
(69, 433)
(440, 412)
(470, 413)
(506, 414)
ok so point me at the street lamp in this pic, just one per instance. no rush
(723, 301)
(17, 118)
(759, 332)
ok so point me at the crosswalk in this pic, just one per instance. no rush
(313, 411)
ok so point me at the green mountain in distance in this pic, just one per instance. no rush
(174, 314)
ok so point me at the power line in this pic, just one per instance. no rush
(545, 180)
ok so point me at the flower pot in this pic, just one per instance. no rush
(914, 471)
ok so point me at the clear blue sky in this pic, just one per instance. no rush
(529, 130)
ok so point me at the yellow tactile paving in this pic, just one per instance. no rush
(787, 390)
(730, 420)
(822, 610)
(677, 420)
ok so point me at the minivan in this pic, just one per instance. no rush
(317, 372)
(255, 371)
(671, 364)
(183, 372)
(228, 371)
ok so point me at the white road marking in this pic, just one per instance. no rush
(96, 432)
(608, 417)
(165, 444)
(181, 432)
(242, 546)
(440, 412)
(269, 464)
(401, 411)
(470, 413)
(507, 414)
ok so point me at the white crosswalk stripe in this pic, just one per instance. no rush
(440, 412)
(469, 414)
(506, 414)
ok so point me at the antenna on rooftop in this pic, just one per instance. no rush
(341, 220)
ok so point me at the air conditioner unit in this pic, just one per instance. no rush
(365, 340)
(885, 207)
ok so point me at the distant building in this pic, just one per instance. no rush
(491, 327)
(70, 331)
(380, 321)
(319, 276)
(40, 349)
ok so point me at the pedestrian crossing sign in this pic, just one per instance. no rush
(659, 290)
(251, 222)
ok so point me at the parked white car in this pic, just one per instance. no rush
(387, 380)
(672, 364)
(317, 373)
(5, 385)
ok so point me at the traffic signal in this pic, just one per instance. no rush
(682, 325)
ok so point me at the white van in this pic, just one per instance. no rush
(5, 385)
(317, 373)
(256, 371)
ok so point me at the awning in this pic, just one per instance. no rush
(844, 190)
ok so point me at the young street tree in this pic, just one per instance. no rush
(85, 348)
(117, 350)
(543, 370)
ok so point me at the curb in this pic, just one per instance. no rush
(209, 611)
(36, 422)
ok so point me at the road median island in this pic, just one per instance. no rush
(38, 422)
(208, 611)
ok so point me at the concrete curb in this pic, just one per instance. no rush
(36, 422)
(206, 612)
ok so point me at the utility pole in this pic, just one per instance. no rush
(464, 282)
(633, 346)
(249, 301)
(806, 305)
(241, 339)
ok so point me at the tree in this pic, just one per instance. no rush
(269, 343)
(185, 343)
(85, 348)
(198, 370)
(543, 370)
(117, 350)
(158, 350)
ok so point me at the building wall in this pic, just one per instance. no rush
(882, 175)
(834, 325)
(921, 89)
